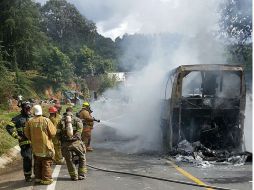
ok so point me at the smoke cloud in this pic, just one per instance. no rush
(130, 113)
(135, 123)
(138, 119)
(115, 18)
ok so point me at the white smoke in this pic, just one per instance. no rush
(195, 22)
(134, 111)
(115, 18)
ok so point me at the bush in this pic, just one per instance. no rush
(7, 86)
(6, 140)
(105, 83)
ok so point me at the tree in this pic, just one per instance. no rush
(236, 21)
(40, 46)
(105, 47)
(6, 82)
(89, 63)
(236, 29)
(20, 33)
(66, 26)
(106, 82)
(58, 67)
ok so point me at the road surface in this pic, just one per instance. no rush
(152, 165)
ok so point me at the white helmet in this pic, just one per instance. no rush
(37, 110)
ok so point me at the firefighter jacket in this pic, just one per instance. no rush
(86, 117)
(56, 120)
(76, 125)
(40, 130)
(16, 128)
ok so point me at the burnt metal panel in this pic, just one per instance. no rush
(177, 107)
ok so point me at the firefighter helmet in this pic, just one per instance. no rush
(86, 104)
(52, 109)
(25, 105)
(37, 110)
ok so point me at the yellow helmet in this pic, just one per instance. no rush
(86, 104)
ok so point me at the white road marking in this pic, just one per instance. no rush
(54, 176)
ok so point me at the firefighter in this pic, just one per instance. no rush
(88, 121)
(40, 130)
(70, 133)
(16, 129)
(56, 118)
(58, 107)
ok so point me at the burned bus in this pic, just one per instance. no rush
(204, 103)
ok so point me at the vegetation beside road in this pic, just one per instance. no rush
(39, 51)
(6, 141)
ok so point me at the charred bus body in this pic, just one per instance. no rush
(204, 103)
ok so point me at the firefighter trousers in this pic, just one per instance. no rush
(86, 136)
(42, 168)
(57, 147)
(26, 153)
(78, 148)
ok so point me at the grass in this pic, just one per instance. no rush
(6, 141)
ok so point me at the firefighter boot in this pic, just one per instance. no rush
(82, 177)
(46, 182)
(74, 178)
(28, 178)
(89, 149)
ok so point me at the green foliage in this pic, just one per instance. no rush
(105, 47)
(24, 85)
(106, 82)
(58, 67)
(82, 86)
(6, 141)
(20, 34)
(236, 20)
(84, 64)
(66, 26)
(6, 82)
(42, 46)
(89, 63)
(240, 54)
(236, 30)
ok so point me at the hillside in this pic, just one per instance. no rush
(48, 46)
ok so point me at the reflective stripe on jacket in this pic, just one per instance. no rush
(40, 131)
(16, 128)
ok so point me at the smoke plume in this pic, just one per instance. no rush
(132, 110)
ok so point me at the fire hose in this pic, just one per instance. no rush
(158, 178)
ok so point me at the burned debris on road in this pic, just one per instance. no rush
(201, 156)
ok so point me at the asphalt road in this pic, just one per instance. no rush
(224, 176)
